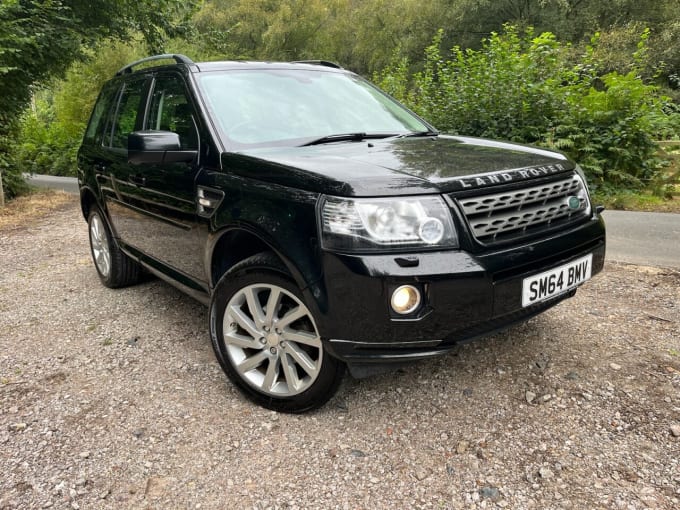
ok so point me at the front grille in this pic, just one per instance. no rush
(496, 217)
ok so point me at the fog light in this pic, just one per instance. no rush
(405, 299)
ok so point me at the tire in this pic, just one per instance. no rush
(266, 339)
(115, 268)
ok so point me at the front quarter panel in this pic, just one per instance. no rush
(283, 218)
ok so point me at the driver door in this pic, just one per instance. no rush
(160, 209)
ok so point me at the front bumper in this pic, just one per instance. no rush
(466, 295)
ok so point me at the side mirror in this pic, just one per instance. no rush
(157, 147)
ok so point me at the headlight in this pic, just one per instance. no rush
(583, 194)
(365, 223)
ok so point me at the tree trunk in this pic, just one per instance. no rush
(2, 193)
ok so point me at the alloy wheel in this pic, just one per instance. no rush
(271, 340)
(100, 246)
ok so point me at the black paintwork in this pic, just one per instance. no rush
(267, 198)
(397, 166)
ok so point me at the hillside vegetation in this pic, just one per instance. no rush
(598, 80)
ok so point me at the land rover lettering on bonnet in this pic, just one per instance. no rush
(324, 224)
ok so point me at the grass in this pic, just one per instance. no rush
(25, 209)
(634, 201)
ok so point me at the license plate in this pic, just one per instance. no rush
(556, 281)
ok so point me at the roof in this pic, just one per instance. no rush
(180, 59)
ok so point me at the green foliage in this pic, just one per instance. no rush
(74, 95)
(364, 36)
(610, 131)
(501, 91)
(52, 129)
(359, 35)
(524, 88)
(12, 182)
(504, 90)
(46, 148)
(32, 39)
(40, 39)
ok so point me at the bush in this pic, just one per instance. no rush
(526, 88)
(13, 183)
(504, 90)
(611, 132)
(46, 147)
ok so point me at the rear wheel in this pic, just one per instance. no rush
(266, 338)
(115, 269)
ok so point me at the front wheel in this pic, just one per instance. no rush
(266, 339)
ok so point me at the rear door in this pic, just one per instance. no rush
(119, 192)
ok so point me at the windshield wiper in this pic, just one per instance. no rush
(343, 137)
(418, 133)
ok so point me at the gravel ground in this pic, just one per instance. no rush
(113, 399)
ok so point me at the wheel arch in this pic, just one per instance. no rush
(233, 245)
(88, 199)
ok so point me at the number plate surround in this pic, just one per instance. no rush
(556, 281)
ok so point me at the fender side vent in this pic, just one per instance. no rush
(208, 200)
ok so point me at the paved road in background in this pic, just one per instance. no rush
(68, 184)
(634, 237)
(643, 238)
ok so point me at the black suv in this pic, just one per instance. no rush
(323, 223)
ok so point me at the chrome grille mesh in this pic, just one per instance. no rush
(498, 216)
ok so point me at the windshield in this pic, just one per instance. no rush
(255, 108)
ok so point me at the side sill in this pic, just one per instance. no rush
(199, 294)
(201, 297)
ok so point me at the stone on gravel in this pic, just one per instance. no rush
(491, 493)
(421, 474)
(675, 430)
(462, 447)
(530, 396)
(546, 473)
(542, 362)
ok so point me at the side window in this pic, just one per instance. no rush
(171, 110)
(93, 133)
(126, 116)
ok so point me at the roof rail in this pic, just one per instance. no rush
(325, 63)
(180, 59)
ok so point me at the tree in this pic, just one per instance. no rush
(52, 128)
(39, 39)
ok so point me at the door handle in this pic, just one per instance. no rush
(138, 179)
